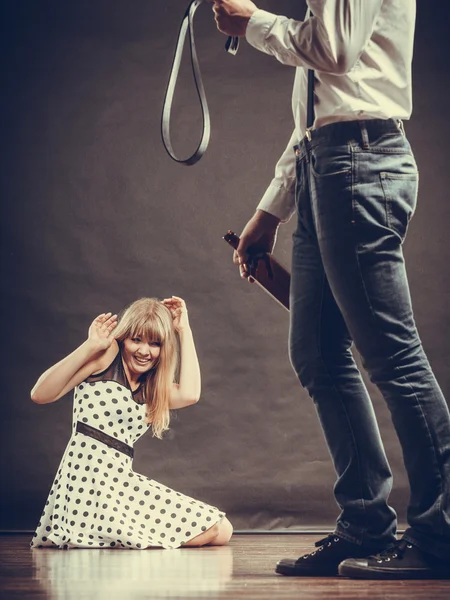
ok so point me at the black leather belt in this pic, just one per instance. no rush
(104, 438)
(231, 46)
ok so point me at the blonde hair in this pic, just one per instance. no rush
(150, 319)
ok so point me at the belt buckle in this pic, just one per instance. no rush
(308, 134)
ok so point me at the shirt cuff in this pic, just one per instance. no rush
(278, 201)
(261, 22)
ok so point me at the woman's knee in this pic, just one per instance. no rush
(217, 535)
(224, 533)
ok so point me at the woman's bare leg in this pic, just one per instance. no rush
(217, 535)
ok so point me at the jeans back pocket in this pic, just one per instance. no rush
(400, 193)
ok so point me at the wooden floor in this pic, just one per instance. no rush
(244, 569)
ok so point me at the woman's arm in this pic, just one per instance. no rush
(187, 391)
(94, 355)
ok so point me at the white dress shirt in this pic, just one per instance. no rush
(361, 51)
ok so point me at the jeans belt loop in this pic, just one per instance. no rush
(401, 126)
(364, 134)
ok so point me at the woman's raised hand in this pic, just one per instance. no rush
(177, 307)
(101, 331)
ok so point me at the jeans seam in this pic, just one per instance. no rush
(355, 446)
(319, 332)
(375, 150)
(405, 379)
(355, 244)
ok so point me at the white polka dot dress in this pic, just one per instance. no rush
(97, 500)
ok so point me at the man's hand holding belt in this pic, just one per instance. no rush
(232, 16)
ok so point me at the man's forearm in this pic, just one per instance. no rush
(330, 42)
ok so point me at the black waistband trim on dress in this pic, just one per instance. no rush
(104, 438)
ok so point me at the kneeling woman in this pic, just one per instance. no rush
(123, 376)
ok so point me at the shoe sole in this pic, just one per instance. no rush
(386, 573)
(293, 572)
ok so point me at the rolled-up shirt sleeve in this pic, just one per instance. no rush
(331, 41)
(279, 199)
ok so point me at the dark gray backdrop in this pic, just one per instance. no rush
(96, 215)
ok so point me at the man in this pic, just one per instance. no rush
(352, 181)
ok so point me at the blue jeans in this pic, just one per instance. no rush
(356, 192)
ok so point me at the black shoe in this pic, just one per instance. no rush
(323, 562)
(400, 560)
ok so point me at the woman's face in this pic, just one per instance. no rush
(140, 354)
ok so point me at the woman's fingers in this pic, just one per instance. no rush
(106, 322)
(174, 302)
(177, 307)
(112, 322)
(103, 317)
